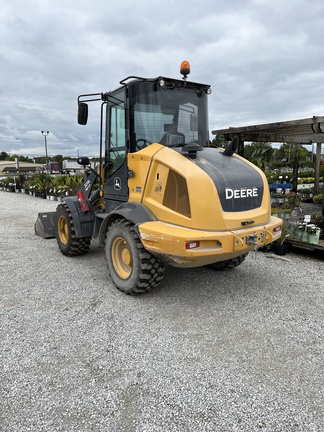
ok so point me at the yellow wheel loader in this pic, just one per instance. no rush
(160, 193)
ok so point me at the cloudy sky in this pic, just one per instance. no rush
(263, 58)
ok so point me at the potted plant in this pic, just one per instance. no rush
(280, 247)
(318, 199)
(317, 219)
(305, 233)
(314, 233)
(281, 212)
(299, 231)
(293, 200)
(9, 184)
(275, 197)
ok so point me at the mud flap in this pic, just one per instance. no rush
(45, 225)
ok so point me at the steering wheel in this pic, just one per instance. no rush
(145, 143)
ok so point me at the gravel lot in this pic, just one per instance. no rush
(240, 350)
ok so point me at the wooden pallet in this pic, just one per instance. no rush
(307, 246)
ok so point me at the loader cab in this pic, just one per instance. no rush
(166, 111)
(146, 111)
(142, 112)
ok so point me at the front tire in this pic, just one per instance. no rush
(68, 243)
(132, 268)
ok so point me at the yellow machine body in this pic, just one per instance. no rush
(191, 228)
(162, 193)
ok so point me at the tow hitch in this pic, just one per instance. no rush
(253, 240)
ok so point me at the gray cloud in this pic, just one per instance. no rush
(263, 60)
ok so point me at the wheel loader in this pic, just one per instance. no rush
(160, 193)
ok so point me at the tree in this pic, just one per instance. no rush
(219, 141)
(4, 155)
(285, 155)
(259, 153)
(58, 158)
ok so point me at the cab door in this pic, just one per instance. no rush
(116, 187)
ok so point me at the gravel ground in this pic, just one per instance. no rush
(240, 350)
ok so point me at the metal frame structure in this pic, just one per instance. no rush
(297, 132)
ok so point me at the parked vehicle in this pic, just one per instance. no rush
(162, 194)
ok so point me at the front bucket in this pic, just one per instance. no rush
(45, 225)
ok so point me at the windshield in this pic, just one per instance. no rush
(170, 116)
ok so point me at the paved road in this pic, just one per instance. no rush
(207, 351)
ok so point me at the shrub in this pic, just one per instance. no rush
(317, 219)
(293, 199)
(318, 199)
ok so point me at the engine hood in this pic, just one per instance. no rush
(239, 185)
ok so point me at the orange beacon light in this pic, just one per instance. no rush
(185, 69)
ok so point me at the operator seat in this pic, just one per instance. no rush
(173, 138)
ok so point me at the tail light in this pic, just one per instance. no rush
(83, 202)
(192, 244)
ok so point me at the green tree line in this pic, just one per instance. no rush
(262, 154)
(266, 156)
(4, 156)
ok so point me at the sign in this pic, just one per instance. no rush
(54, 166)
(117, 183)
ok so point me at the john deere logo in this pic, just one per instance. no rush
(241, 193)
(117, 183)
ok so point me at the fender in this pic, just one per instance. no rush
(83, 222)
(131, 211)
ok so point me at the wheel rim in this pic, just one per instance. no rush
(122, 258)
(63, 230)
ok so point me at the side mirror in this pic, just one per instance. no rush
(82, 113)
(85, 161)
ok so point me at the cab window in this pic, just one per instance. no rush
(116, 132)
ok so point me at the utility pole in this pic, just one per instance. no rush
(45, 133)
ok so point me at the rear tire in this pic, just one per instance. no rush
(132, 268)
(228, 264)
(68, 243)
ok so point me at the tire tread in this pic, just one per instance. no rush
(75, 246)
(151, 269)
